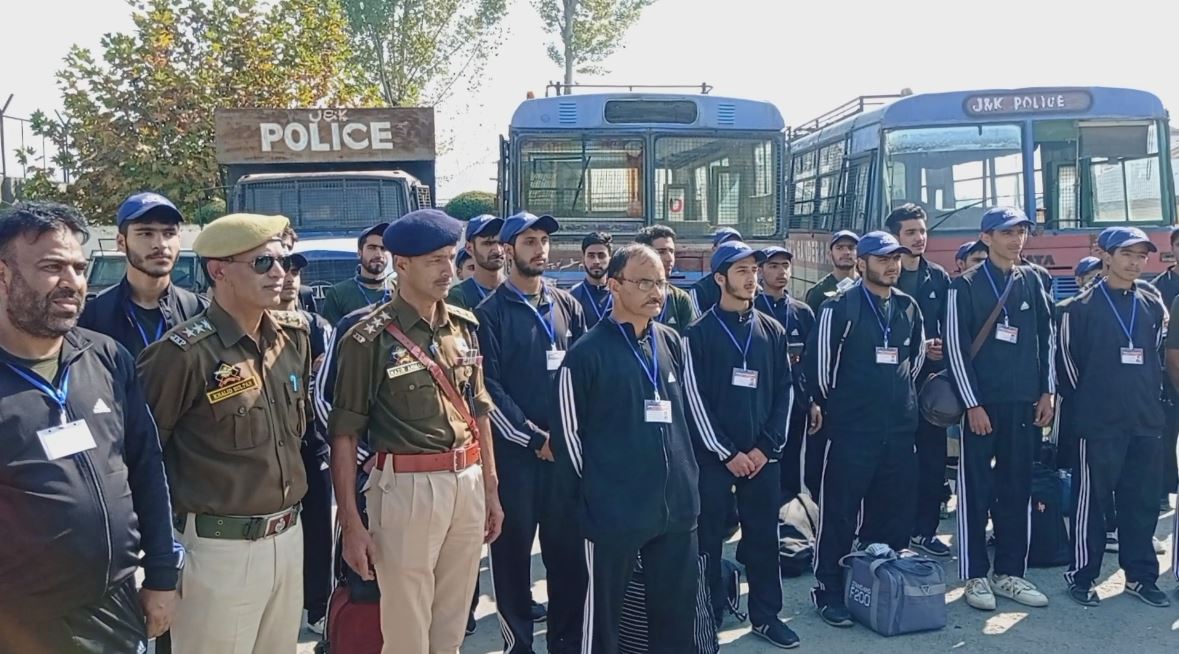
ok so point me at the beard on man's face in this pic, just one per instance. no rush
(526, 268)
(150, 265)
(42, 315)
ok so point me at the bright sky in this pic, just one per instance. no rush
(805, 57)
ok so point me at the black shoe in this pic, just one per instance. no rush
(778, 634)
(835, 615)
(471, 624)
(930, 545)
(1083, 596)
(538, 612)
(1148, 593)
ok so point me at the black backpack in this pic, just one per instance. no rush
(1049, 545)
(798, 521)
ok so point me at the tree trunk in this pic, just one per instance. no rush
(567, 38)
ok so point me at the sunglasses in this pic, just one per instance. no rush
(264, 263)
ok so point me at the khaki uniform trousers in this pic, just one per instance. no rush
(239, 596)
(428, 532)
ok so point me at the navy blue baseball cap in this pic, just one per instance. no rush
(483, 225)
(462, 256)
(729, 252)
(879, 244)
(1103, 238)
(1086, 266)
(1004, 217)
(421, 232)
(968, 248)
(298, 261)
(524, 221)
(1124, 237)
(724, 235)
(775, 250)
(136, 206)
(377, 229)
(842, 234)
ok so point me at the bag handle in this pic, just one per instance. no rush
(439, 377)
(981, 336)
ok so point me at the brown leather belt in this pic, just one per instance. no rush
(452, 461)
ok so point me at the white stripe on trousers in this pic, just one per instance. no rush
(1081, 518)
(822, 490)
(587, 621)
(504, 628)
(963, 510)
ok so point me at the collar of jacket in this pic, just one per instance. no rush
(74, 344)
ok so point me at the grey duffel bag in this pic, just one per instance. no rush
(895, 595)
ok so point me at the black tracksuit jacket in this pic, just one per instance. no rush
(110, 313)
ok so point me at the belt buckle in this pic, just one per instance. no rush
(455, 457)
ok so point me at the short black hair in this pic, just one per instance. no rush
(648, 235)
(907, 211)
(624, 254)
(37, 218)
(289, 232)
(597, 238)
(1174, 235)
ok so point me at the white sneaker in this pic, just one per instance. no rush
(1019, 589)
(978, 594)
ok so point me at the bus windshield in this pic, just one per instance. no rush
(955, 173)
(582, 177)
(327, 204)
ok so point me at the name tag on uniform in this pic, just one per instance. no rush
(553, 359)
(1007, 333)
(1133, 356)
(887, 355)
(64, 440)
(404, 369)
(657, 411)
(744, 378)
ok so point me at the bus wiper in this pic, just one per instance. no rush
(943, 217)
(580, 183)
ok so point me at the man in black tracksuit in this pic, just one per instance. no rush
(1007, 390)
(623, 438)
(861, 363)
(803, 455)
(704, 292)
(738, 361)
(1110, 349)
(592, 292)
(1168, 285)
(926, 282)
(525, 329)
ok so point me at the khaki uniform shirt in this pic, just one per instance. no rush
(231, 412)
(382, 390)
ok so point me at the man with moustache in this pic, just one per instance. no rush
(861, 365)
(369, 284)
(525, 329)
(676, 309)
(139, 309)
(82, 484)
(843, 262)
(622, 438)
(229, 393)
(738, 360)
(592, 291)
(484, 247)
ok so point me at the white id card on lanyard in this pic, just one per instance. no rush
(1006, 333)
(658, 411)
(744, 378)
(64, 440)
(553, 359)
(887, 355)
(1133, 356)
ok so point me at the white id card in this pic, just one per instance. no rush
(1133, 356)
(64, 440)
(1007, 333)
(553, 359)
(657, 411)
(744, 378)
(887, 355)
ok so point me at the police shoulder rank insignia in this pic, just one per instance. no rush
(191, 332)
(462, 314)
(229, 382)
(401, 362)
(370, 327)
(292, 319)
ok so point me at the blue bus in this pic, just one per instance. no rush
(616, 162)
(1077, 159)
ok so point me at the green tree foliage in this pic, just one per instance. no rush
(466, 206)
(588, 31)
(417, 52)
(139, 114)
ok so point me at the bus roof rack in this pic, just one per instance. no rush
(846, 110)
(560, 88)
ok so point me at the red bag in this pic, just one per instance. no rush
(352, 627)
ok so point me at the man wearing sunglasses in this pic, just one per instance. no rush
(229, 393)
(370, 283)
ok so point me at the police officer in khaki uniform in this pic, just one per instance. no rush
(228, 391)
(411, 378)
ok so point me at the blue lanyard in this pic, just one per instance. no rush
(773, 312)
(748, 339)
(885, 323)
(547, 325)
(142, 334)
(599, 311)
(1128, 331)
(651, 370)
(58, 395)
(1010, 280)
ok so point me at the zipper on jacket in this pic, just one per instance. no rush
(663, 435)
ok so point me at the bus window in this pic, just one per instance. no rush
(1122, 172)
(589, 177)
(954, 173)
(729, 181)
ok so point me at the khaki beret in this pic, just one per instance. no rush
(237, 233)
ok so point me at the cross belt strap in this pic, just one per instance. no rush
(444, 384)
(981, 337)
